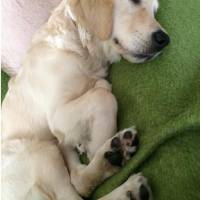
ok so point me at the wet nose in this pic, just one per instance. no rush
(160, 39)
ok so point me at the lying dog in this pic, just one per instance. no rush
(60, 101)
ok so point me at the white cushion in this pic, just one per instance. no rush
(20, 20)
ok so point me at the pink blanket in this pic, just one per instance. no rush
(20, 20)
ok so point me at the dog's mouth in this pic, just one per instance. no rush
(143, 56)
(140, 57)
(146, 56)
(136, 57)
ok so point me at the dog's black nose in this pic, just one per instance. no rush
(160, 40)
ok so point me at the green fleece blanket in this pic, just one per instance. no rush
(162, 98)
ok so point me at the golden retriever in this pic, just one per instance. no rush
(60, 102)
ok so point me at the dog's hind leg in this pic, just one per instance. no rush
(36, 192)
(91, 121)
(52, 177)
(109, 158)
(135, 188)
(35, 170)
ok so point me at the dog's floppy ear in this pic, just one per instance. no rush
(96, 16)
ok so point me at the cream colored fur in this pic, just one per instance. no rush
(61, 99)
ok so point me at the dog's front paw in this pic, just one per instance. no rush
(122, 147)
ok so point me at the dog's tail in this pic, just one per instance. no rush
(38, 193)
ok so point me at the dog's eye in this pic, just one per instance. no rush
(136, 1)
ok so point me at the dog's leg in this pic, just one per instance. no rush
(90, 121)
(52, 177)
(35, 170)
(108, 160)
(52, 180)
(135, 188)
(87, 121)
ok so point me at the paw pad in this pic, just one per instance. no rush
(144, 193)
(114, 158)
(115, 143)
(123, 146)
(128, 135)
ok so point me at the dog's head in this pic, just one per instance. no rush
(129, 24)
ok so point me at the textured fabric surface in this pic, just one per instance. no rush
(20, 20)
(162, 98)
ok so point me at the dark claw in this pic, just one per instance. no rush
(128, 135)
(135, 141)
(144, 193)
(132, 154)
(116, 143)
(115, 158)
